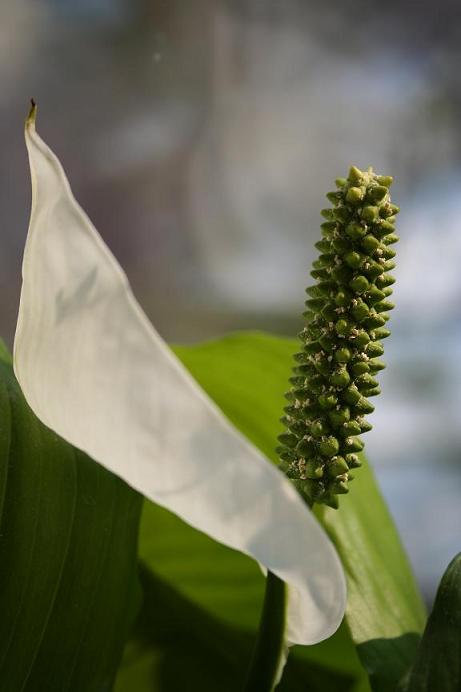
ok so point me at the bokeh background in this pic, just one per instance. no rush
(201, 138)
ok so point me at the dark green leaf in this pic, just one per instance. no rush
(180, 646)
(438, 662)
(226, 585)
(68, 536)
(384, 612)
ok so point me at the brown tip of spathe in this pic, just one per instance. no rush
(30, 120)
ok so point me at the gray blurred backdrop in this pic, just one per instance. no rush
(201, 137)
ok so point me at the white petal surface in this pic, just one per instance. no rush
(93, 368)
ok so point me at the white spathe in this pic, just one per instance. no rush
(93, 368)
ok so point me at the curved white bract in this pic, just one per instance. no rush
(94, 369)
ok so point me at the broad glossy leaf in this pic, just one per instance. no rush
(247, 374)
(68, 535)
(438, 661)
(385, 612)
(225, 585)
(225, 582)
(180, 646)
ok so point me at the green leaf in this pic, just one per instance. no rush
(438, 662)
(180, 646)
(385, 612)
(226, 585)
(247, 374)
(68, 533)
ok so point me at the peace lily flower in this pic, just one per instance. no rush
(93, 368)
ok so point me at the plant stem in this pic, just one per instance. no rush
(268, 651)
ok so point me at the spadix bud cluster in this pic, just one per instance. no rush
(347, 311)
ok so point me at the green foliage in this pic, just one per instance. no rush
(246, 374)
(438, 661)
(384, 612)
(68, 532)
(178, 645)
(334, 372)
(222, 589)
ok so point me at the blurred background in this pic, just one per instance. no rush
(201, 138)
